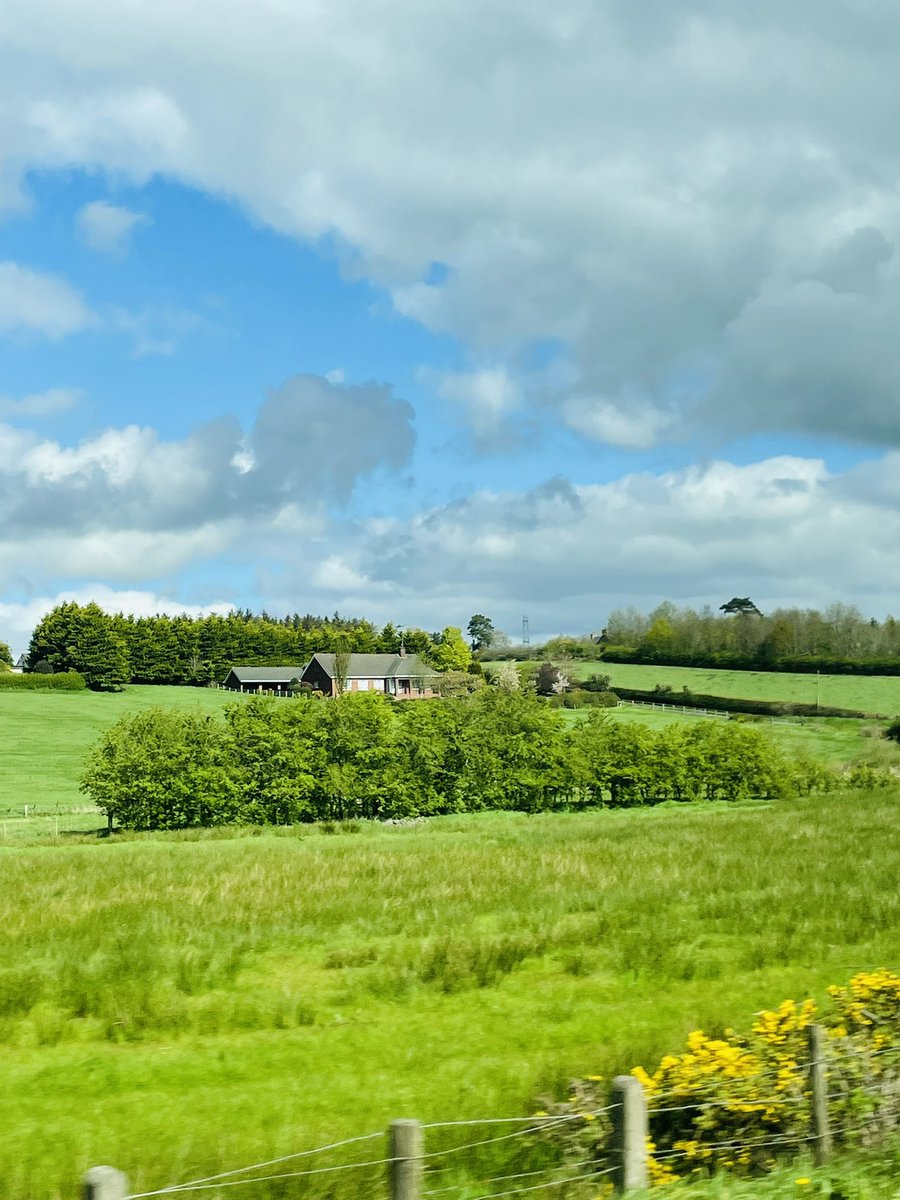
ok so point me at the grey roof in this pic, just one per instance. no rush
(266, 674)
(378, 666)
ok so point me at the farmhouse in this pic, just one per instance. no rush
(262, 679)
(402, 675)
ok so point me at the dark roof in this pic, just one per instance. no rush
(377, 666)
(266, 674)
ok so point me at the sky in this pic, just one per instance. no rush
(413, 309)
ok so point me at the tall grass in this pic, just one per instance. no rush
(183, 1006)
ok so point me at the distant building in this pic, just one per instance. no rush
(404, 676)
(262, 679)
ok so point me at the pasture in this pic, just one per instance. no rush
(185, 1004)
(864, 693)
(45, 735)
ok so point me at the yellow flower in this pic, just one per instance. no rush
(803, 1181)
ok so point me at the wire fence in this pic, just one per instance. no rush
(537, 1156)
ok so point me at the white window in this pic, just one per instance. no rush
(362, 685)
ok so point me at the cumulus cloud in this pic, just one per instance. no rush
(650, 186)
(785, 530)
(37, 302)
(128, 505)
(107, 228)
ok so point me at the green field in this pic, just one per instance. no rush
(833, 740)
(45, 735)
(183, 1005)
(864, 693)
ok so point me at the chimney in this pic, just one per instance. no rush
(402, 650)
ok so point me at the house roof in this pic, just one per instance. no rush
(377, 666)
(266, 674)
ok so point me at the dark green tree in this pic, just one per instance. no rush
(481, 631)
(98, 651)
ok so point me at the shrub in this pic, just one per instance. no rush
(740, 1101)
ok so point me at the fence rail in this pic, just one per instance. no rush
(410, 1167)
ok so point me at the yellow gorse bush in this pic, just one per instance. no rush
(739, 1102)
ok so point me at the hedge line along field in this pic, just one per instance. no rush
(864, 693)
(181, 1005)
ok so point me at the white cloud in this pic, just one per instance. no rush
(35, 302)
(612, 177)
(40, 404)
(107, 228)
(634, 427)
(784, 530)
(488, 397)
(130, 506)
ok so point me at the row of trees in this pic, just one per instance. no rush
(113, 649)
(739, 631)
(278, 762)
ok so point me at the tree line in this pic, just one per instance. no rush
(111, 649)
(266, 761)
(739, 634)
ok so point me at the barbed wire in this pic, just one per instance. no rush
(766, 1102)
(194, 1184)
(515, 1120)
(543, 1123)
(518, 1175)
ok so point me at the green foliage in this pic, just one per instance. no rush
(363, 756)
(163, 770)
(450, 652)
(6, 658)
(65, 681)
(164, 649)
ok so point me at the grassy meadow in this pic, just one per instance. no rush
(180, 1005)
(865, 693)
(45, 735)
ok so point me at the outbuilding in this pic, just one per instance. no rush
(262, 679)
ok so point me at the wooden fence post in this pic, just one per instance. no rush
(105, 1183)
(820, 1134)
(629, 1134)
(405, 1150)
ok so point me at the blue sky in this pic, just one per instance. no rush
(486, 309)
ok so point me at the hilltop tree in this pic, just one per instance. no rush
(6, 659)
(481, 631)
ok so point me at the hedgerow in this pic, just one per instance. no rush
(282, 762)
(65, 681)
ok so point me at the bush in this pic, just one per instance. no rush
(66, 681)
(738, 1100)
